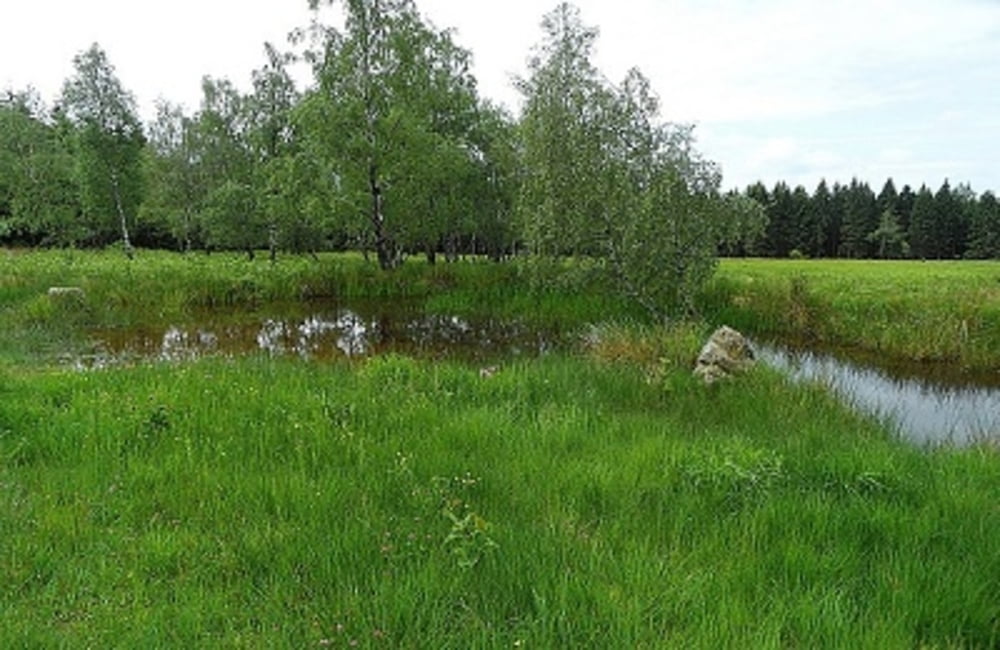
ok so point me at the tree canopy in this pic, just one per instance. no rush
(390, 149)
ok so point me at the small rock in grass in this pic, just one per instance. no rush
(726, 353)
(58, 292)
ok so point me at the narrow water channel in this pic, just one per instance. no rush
(926, 410)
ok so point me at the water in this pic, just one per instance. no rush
(323, 332)
(927, 405)
(927, 410)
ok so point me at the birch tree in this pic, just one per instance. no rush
(109, 142)
(391, 91)
(606, 178)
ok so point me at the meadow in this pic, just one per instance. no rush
(596, 498)
(926, 312)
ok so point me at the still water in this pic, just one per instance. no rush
(325, 333)
(927, 407)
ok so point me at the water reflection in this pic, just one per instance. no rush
(925, 412)
(325, 334)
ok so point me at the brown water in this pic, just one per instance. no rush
(927, 403)
(324, 332)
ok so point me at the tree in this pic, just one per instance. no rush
(230, 216)
(560, 127)
(984, 230)
(496, 184)
(923, 238)
(271, 138)
(174, 182)
(860, 220)
(780, 236)
(391, 90)
(605, 178)
(949, 223)
(904, 206)
(889, 238)
(818, 220)
(109, 141)
(38, 193)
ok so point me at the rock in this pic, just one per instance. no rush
(58, 292)
(727, 352)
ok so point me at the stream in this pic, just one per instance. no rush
(928, 409)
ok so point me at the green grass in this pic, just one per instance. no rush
(919, 311)
(566, 502)
(598, 499)
(159, 286)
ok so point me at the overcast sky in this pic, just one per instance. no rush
(793, 90)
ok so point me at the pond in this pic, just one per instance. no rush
(928, 406)
(936, 406)
(325, 332)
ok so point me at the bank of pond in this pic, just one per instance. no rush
(430, 469)
(925, 403)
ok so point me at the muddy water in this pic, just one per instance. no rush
(324, 332)
(927, 404)
(934, 407)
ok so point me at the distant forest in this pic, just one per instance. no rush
(851, 221)
(392, 151)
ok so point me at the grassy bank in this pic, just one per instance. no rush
(920, 311)
(566, 502)
(601, 499)
(160, 286)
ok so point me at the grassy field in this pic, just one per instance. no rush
(161, 286)
(920, 311)
(598, 499)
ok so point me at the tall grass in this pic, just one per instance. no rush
(568, 502)
(921, 311)
(159, 286)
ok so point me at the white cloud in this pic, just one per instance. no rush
(841, 81)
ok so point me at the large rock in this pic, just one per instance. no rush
(727, 352)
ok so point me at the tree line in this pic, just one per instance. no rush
(391, 150)
(852, 221)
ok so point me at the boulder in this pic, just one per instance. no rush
(726, 353)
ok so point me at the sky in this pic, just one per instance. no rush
(779, 90)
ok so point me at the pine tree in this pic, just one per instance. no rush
(923, 236)
(860, 220)
(984, 230)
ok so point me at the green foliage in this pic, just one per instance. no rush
(175, 184)
(889, 238)
(109, 142)
(392, 112)
(38, 192)
(608, 180)
(984, 229)
(559, 503)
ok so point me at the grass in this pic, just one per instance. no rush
(945, 312)
(159, 286)
(596, 499)
(561, 503)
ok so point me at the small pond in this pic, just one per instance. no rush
(325, 332)
(927, 405)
